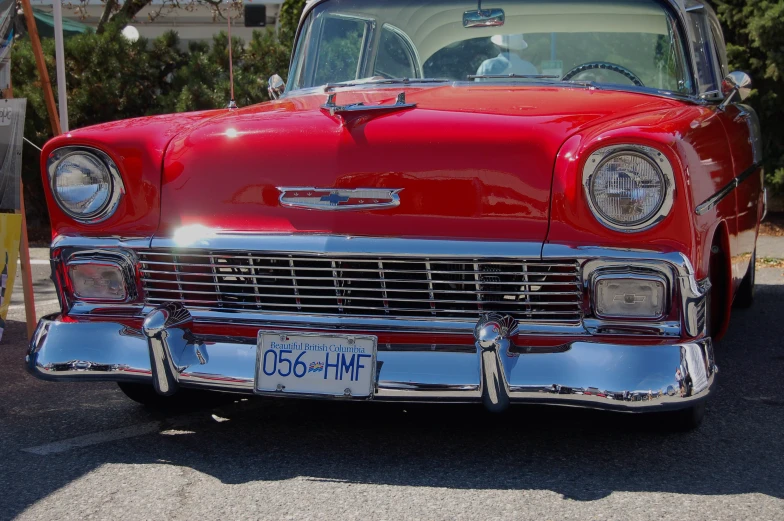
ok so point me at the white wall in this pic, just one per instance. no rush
(196, 23)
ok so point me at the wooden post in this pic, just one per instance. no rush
(54, 121)
(26, 269)
(43, 74)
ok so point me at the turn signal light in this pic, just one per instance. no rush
(624, 296)
(97, 281)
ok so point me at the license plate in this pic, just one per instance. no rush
(305, 363)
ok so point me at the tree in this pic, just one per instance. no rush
(120, 14)
(754, 30)
(288, 20)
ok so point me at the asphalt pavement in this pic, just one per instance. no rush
(84, 451)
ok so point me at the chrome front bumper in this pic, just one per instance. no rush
(580, 373)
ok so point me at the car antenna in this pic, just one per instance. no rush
(232, 104)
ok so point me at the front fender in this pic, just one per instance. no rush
(137, 147)
(692, 139)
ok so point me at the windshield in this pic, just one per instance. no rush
(623, 42)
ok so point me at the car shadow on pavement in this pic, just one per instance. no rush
(582, 455)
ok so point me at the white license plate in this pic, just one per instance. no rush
(305, 363)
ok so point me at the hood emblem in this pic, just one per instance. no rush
(338, 198)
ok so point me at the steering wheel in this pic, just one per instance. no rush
(620, 69)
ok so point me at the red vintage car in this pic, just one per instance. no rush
(527, 201)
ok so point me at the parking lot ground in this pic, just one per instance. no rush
(84, 451)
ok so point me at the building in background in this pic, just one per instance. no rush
(192, 21)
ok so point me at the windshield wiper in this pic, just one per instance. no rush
(552, 79)
(513, 76)
(583, 83)
(386, 81)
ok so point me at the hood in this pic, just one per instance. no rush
(467, 162)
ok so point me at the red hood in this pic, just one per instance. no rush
(472, 162)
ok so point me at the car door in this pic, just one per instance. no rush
(742, 127)
(708, 73)
(743, 135)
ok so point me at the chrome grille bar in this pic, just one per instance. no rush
(255, 289)
(294, 284)
(470, 292)
(343, 279)
(383, 286)
(215, 278)
(397, 287)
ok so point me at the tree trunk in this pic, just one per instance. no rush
(107, 11)
(128, 10)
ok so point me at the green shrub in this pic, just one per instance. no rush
(288, 19)
(754, 30)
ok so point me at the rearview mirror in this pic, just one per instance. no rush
(484, 18)
(275, 86)
(735, 83)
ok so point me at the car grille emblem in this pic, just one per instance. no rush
(334, 199)
(339, 198)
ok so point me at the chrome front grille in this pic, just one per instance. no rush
(393, 287)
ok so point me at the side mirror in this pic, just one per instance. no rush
(735, 83)
(275, 86)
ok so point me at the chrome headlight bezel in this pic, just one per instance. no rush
(116, 186)
(656, 158)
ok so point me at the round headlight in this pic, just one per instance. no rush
(628, 188)
(85, 183)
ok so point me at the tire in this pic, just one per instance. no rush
(744, 298)
(684, 420)
(146, 395)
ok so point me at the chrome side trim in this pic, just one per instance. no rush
(716, 198)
